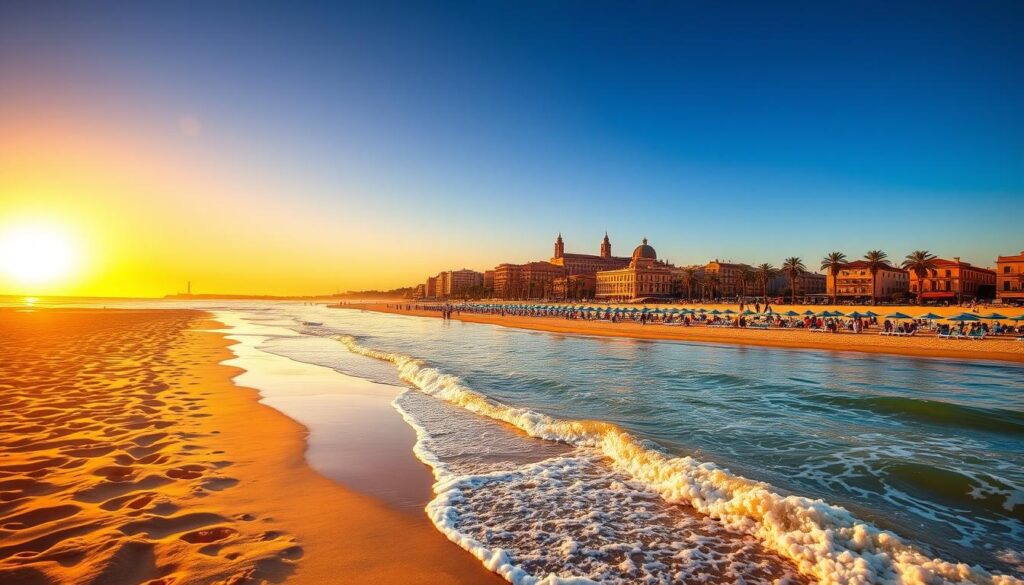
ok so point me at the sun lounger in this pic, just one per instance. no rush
(977, 334)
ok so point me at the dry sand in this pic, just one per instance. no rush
(127, 455)
(1001, 349)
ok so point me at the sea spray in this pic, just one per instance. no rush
(825, 542)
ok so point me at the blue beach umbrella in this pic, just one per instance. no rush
(1017, 318)
(748, 312)
(792, 313)
(728, 312)
(930, 316)
(898, 315)
(871, 313)
(963, 318)
(808, 312)
(993, 316)
(856, 315)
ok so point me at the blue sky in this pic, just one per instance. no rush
(744, 131)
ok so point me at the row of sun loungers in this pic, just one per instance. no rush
(895, 333)
(977, 334)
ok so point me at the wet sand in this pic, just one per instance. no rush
(1000, 349)
(127, 455)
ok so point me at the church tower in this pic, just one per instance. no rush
(606, 247)
(559, 246)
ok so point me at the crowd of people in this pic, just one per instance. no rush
(751, 317)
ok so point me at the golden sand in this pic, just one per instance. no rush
(990, 348)
(127, 455)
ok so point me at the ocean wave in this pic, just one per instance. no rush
(824, 542)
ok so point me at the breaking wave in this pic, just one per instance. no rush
(823, 542)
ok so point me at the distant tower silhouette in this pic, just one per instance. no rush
(559, 246)
(606, 247)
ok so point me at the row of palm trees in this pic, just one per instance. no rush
(919, 262)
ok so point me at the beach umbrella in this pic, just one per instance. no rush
(1017, 318)
(673, 310)
(930, 316)
(792, 313)
(964, 317)
(837, 314)
(856, 315)
(728, 312)
(993, 316)
(716, 312)
(823, 314)
(748, 312)
(898, 315)
(871, 313)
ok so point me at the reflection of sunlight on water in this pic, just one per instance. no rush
(31, 301)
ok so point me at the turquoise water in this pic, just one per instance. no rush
(932, 450)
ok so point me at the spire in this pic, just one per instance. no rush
(645, 241)
(606, 246)
(559, 246)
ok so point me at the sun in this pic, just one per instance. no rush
(36, 254)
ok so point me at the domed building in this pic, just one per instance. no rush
(645, 277)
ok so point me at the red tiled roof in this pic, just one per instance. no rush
(1017, 258)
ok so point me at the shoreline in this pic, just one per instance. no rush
(1001, 350)
(128, 454)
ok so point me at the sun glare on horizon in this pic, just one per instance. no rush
(36, 253)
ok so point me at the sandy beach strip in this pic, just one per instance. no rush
(128, 455)
(999, 349)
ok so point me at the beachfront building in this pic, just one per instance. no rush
(574, 287)
(489, 281)
(727, 279)
(953, 281)
(808, 283)
(854, 282)
(430, 287)
(532, 280)
(420, 291)
(587, 263)
(645, 277)
(1010, 279)
(459, 282)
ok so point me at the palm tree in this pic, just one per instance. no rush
(832, 263)
(876, 261)
(920, 262)
(793, 267)
(689, 277)
(764, 274)
(711, 284)
(743, 275)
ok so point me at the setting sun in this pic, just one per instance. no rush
(36, 253)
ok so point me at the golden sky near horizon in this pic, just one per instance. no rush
(140, 213)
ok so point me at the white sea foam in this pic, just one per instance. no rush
(824, 542)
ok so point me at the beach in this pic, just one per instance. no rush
(128, 455)
(1001, 349)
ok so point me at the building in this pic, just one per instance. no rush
(532, 280)
(808, 283)
(489, 282)
(420, 291)
(575, 286)
(953, 281)
(728, 280)
(587, 263)
(430, 287)
(459, 282)
(645, 277)
(854, 282)
(1010, 278)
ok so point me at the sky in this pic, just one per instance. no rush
(297, 148)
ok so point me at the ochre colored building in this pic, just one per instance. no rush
(587, 263)
(1010, 278)
(953, 281)
(645, 277)
(854, 281)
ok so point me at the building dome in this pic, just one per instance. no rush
(644, 251)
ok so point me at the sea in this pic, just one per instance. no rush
(574, 459)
